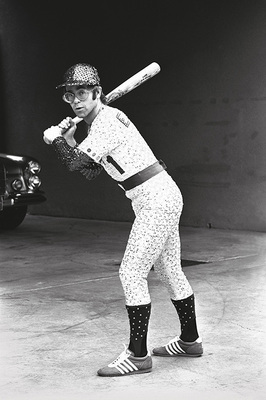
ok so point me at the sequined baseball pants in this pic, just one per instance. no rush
(154, 241)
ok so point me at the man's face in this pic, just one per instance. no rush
(83, 103)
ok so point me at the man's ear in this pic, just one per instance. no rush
(97, 92)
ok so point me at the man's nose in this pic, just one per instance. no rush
(76, 100)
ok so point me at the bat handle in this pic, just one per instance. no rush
(77, 120)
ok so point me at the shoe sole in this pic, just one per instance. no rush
(177, 355)
(127, 373)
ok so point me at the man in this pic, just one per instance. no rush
(113, 143)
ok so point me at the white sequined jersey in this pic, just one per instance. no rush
(114, 142)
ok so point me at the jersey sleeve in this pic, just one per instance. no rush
(75, 159)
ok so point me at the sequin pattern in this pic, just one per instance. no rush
(75, 160)
(157, 203)
(154, 241)
(112, 134)
(80, 74)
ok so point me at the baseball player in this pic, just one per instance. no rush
(114, 144)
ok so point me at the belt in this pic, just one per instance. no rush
(143, 175)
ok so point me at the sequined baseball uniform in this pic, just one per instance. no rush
(114, 142)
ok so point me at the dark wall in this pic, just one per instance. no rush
(204, 114)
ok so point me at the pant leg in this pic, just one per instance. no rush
(169, 270)
(147, 239)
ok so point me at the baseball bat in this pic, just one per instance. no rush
(130, 84)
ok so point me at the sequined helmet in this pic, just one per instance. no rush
(80, 74)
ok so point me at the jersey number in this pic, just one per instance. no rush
(114, 163)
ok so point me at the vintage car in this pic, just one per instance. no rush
(19, 188)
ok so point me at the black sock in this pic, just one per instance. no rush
(139, 322)
(186, 311)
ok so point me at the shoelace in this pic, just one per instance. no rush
(123, 364)
(122, 357)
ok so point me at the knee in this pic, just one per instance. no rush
(126, 274)
(132, 277)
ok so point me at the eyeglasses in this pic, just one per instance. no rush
(81, 94)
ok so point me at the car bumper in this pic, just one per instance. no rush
(23, 199)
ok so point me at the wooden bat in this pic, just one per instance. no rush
(130, 84)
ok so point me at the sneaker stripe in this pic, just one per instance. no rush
(178, 347)
(169, 349)
(174, 348)
(123, 368)
(132, 365)
(126, 366)
(120, 370)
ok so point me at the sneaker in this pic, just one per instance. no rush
(177, 347)
(127, 364)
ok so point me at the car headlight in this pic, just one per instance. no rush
(31, 177)
(17, 184)
(34, 182)
(34, 167)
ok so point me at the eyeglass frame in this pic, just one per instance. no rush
(75, 95)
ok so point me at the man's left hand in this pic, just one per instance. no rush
(51, 133)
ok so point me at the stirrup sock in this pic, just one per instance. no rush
(139, 321)
(186, 311)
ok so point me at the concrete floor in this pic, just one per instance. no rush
(63, 315)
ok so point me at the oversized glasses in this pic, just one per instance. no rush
(81, 94)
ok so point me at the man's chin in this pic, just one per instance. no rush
(81, 113)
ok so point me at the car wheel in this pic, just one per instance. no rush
(12, 217)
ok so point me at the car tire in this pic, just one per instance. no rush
(12, 217)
